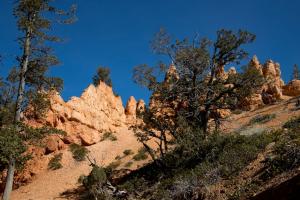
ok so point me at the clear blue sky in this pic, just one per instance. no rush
(116, 33)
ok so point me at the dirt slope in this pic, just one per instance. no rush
(50, 184)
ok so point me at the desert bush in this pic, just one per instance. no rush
(261, 119)
(237, 111)
(293, 124)
(79, 152)
(55, 162)
(118, 157)
(114, 165)
(94, 184)
(286, 154)
(217, 157)
(108, 136)
(128, 164)
(127, 152)
(141, 155)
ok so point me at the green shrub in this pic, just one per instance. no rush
(292, 124)
(114, 165)
(127, 152)
(237, 111)
(55, 162)
(108, 136)
(118, 157)
(79, 152)
(94, 184)
(141, 155)
(261, 119)
(128, 164)
(286, 154)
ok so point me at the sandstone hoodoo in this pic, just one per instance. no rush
(271, 91)
(86, 118)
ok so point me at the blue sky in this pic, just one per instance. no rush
(116, 33)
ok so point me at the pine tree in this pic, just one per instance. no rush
(197, 90)
(35, 19)
(296, 72)
(103, 74)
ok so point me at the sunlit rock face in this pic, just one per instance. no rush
(271, 91)
(85, 118)
(292, 88)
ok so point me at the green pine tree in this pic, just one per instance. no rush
(35, 19)
(296, 72)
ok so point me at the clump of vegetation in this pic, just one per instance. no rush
(114, 165)
(261, 119)
(118, 157)
(237, 111)
(55, 162)
(108, 136)
(217, 157)
(79, 152)
(293, 124)
(128, 152)
(94, 184)
(103, 74)
(128, 164)
(141, 155)
(286, 155)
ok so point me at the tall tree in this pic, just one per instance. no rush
(296, 72)
(102, 74)
(35, 19)
(198, 88)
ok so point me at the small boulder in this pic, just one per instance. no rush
(54, 143)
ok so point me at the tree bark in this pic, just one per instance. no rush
(9, 179)
(17, 118)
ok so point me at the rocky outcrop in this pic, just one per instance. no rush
(85, 118)
(130, 110)
(292, 88)
(141, 106)
(271, 91)
(272, 73)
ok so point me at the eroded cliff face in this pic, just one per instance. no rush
(86, 118)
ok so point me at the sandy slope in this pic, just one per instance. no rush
(50, 184)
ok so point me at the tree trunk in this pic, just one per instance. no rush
(204, 120)
(9, 179)
(19, 102)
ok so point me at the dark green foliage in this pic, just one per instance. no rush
(128, 164)
(15, 138)
(79, 152)
(286, 151)
(261, 119)
(11, 146)
(141, 155)
(39, 104)
(237, 111)
(118, 157)
(197, 88)
(127, 152)
(293, 124)
(218, 157)
(192, 94)
(296, 72)
(114, 165)
(94, 184)
(108, 136)
(103, 74)
(55, 162)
